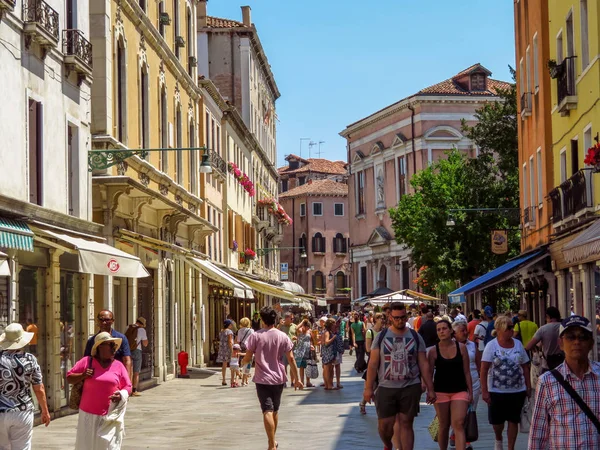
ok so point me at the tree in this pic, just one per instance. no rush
(450, 254)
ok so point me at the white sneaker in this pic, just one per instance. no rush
(498, 445)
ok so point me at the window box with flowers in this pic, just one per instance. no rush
(274, 208)
(592, 157)
(250, 254)
(241, 178)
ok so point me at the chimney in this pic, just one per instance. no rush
(201, 14)
(247, 16)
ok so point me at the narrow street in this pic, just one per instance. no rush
(201, 414)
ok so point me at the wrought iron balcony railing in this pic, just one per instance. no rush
(526, 104)
(40, 19)
(526, 217)
(77, 46)
(566, 85)
(572, 196)
(556, 202)
(217, 162)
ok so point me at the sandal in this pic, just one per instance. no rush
(310, 385)
(224, 383)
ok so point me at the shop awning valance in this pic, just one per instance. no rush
(101, 259)
(498, 275)
(240, 289)
(15, 234)
(268, 289)
(585, 245)
(4, 267)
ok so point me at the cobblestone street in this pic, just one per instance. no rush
(201, 414)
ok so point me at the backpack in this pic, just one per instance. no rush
(131, 335)
(243, 347)
(488, 332)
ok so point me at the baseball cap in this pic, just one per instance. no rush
(227, 322)
(575, 321)
(488, 311)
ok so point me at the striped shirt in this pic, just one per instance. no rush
(558, 422)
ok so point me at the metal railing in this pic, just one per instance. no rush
(572, 196)
(566, 78)
(75, 44)
(526, 102)
(217, 162)
(526, 217)
(556, 202)
(40, 12)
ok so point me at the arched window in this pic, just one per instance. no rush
(193, 165)
(339, 244)
(178, 145)
(145, 110)
(302, 242)
(121, 92)
(318, 283)
(164, 131)
(340, 281)
(382, 282)
(318, 244)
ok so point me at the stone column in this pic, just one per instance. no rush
(159, 324)
(52, 303)
(560, 301)
(587, 280)
(577, 294)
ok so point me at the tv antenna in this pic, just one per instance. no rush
(311, 144)
(319, 151)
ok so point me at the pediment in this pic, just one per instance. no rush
(443, 133)
(358, 156)
(379, 236)
(377, 148)
(399, 139)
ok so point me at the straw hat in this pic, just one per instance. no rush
(14, 337)
(103, 337)
(142, 321)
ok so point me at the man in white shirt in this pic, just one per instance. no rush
(141, 341)
(460, 317)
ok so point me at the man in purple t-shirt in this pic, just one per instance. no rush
(269, 345)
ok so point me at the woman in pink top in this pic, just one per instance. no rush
(106, 389)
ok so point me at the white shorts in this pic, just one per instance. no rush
(247, 369)
(338, 359)
(16, 429)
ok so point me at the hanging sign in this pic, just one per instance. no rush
(284, 271)
(499, 242)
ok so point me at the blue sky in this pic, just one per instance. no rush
(338, 61)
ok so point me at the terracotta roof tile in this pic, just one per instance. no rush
(317, 165)
(317, 187)
(452, 87)
(217, 22)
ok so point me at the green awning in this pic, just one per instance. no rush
(15, 234)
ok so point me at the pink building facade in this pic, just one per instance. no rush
(318, 239)
(384, 150)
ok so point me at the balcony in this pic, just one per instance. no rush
(525, 105)
(6, 5)
(572, 201)
(526, 217)
(565, 81)
(40, 24)
(529, 213)
(217, 163)
(78, 54)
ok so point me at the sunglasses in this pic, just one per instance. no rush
(510, 327)
(105, 320)
(578, 337)
(399, 317)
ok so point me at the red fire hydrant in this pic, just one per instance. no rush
(183, 360)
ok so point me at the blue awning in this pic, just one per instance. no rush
(496, 276)
(15, 234)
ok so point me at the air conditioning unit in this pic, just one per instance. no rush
(193, 61)
(164, 18)
(179, 41)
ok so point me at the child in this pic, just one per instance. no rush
(246, 373)
(234, 364)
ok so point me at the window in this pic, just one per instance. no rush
(531, 182)
(559, 48)
(143, 5)
(318, 283)
(317, 209)
(302, 209)
(528, 70)
(339, 244)
(302, 242)
(318, 244)
(405, 275)
(360, 198)
(294, 165)
(382, 280)
(587, 138)
(585, 45)
(161, 26)
(478, 82)
(178, 145)
(164, 131)
(525, 190)
(522, 76)
(536, 75)
(176, 27)
(36, 145)
(340, 281)
(574, 156)
(401, 177)
(193, 165)
(540, 177)
(363, 281)
(563, 165)
(188, 29)
(73, 170)
(338, 209)
(284, 185)
(301, 181)
(145, 110)
(570, 36)
(121, 93)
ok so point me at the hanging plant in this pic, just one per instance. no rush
(592, 157)
(277, 210)
(241, 178)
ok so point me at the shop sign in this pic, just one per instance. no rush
(499, 242)
(284, 272)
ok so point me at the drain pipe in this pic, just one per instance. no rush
(412, 137)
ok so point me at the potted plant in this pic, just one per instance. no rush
(554, 68)
(234, 246)
(592, 157)
(249, 254)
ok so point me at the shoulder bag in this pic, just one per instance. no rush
(77, 390)
(471, 427)
(575, 396)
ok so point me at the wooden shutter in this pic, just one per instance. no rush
(253, 238)
(344, 243)
(239, 232)
(230, 228)
(314, 245)
(323, 244)
(314, 283)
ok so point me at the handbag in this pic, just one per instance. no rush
(525, 423)
(312, 366)
(576, 397)
(77, 390)
(434, 428)
(471, 427)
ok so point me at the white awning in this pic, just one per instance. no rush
(268, 289)
(240, 289)
(4, 268)
(102, 259)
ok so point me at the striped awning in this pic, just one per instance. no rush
(15, 234)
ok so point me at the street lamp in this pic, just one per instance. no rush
(205, 166)
(450, 222)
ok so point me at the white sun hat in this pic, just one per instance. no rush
(14, 337)
(103, 337)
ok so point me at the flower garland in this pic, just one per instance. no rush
(241, 178)
(592, 157)
(277, 210)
